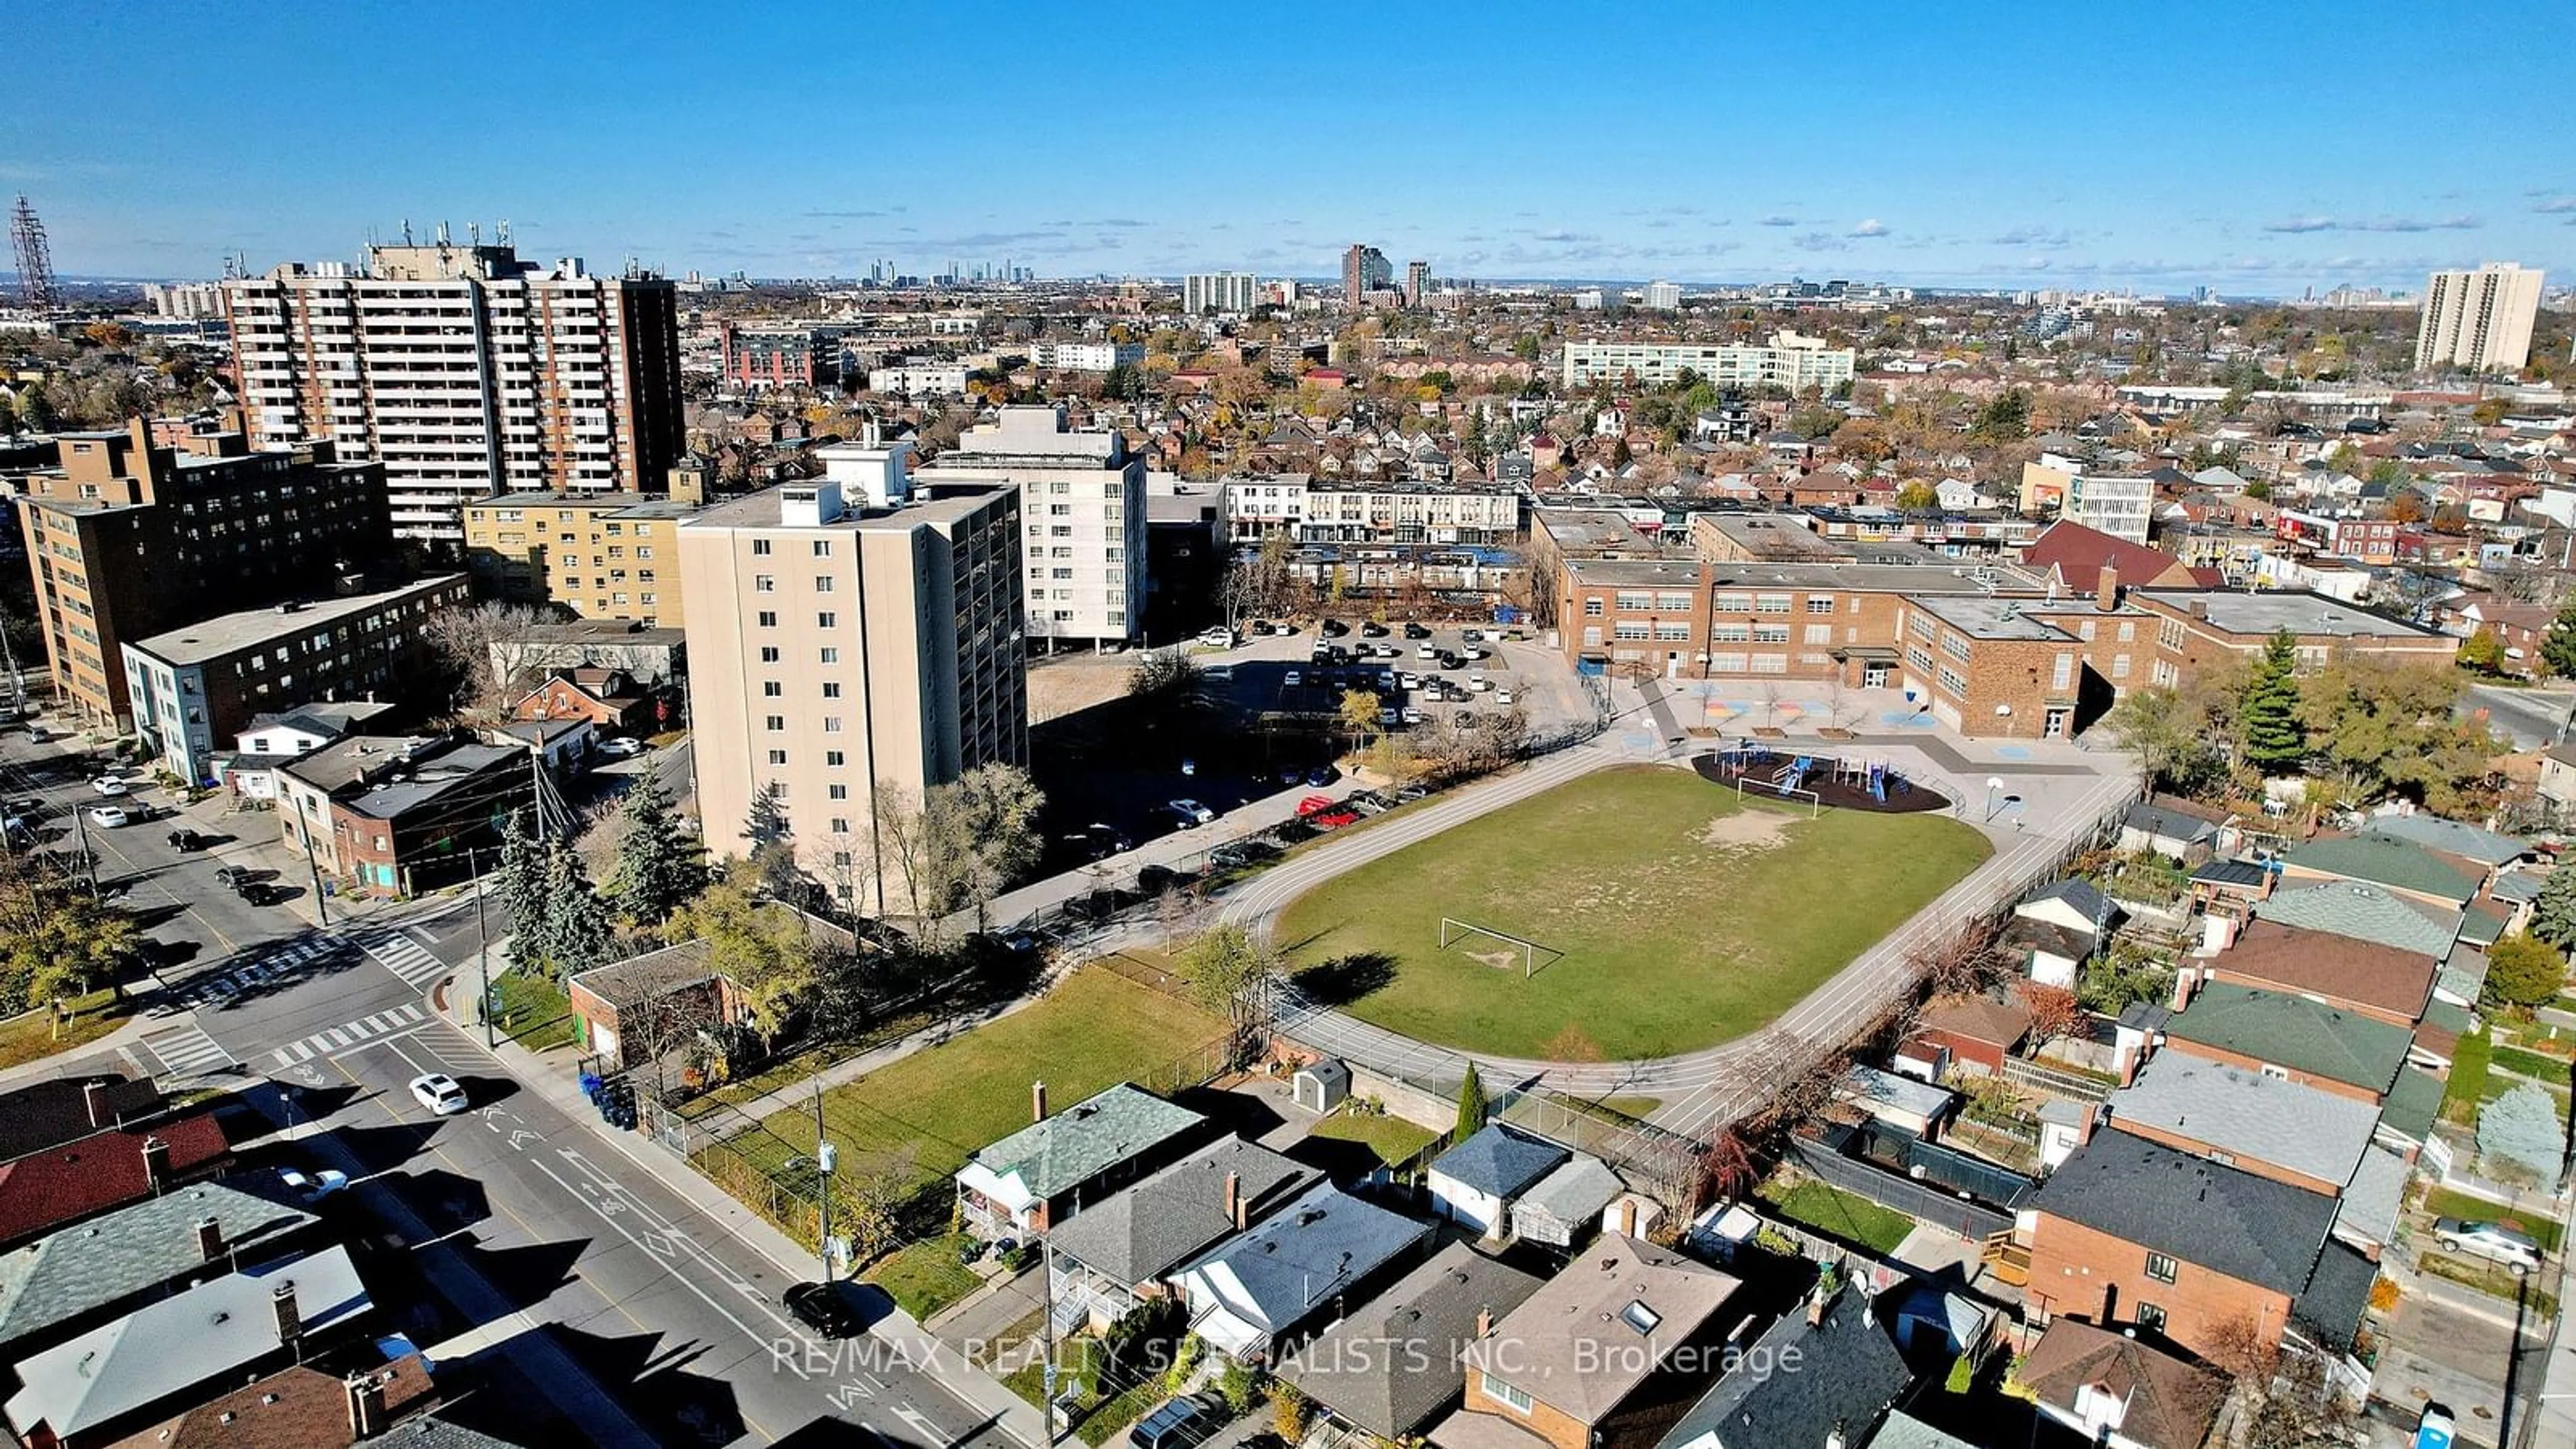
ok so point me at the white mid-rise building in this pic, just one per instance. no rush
(919, 379)
(1663, 296)
(187, 301)
(2479, 320)
(467, 371)
(1790, 361)
(1086, 356)
(1082, 511)
(1227, 293)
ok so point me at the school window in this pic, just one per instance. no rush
(1726, 663)
(2119, 666)
(2151, 1318)
(1630, 629)
(1955, 647)
(1733, 603)
(1770, 603)
(1675, 633)
(1820, 603)
(1819, 634)
(1770, 663)
(2161, 1268)
(1592, 607)
(1953, 682)
(2128, 633)
(1635, 602)
(1673, 603)
(2063, 675)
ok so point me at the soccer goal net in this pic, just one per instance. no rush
(1501, 946)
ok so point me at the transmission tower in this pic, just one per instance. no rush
(35, 259)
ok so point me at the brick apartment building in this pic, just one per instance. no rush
(128, 537)
(601, 555)
(202, 683)
(779, 356)
(397, 815)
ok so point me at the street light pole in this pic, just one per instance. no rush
(823, 1161)
(483, 948)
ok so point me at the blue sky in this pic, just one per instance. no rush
(2257, 149)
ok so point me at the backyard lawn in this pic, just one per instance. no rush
(1837, 1214)
(1685, 918)
(1392, 1138)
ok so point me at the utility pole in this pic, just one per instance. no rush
(824, 1157)
(89, 862)
(321, 903)
(1046, 1327)
(483, 948)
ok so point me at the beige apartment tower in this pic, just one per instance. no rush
(466, 372)
(848, 636)
(2479, 320)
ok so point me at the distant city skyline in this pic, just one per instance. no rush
(1961, 148)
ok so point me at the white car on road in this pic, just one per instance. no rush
(440, 1093)
(108, 785)
(621, 746)
(1191, 813)
(109, 817)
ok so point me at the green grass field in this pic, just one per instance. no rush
(1685, 918)
(1092, 1032)
(1393, 1139)
(32, 1035)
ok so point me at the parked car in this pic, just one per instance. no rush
(1333, 628)
(1235, 855)
(1313, 805)
(1179, 1423)
(1426, 652)
(1451, 661)
(1191, 812)
(1472, 636)
(1416, 631)
(439, 1092)
(1503, 696)
(110, 817)
(1218, 674)
(1477, 651)
(1320, 776)
(1409, 715)
(1479, 683)
(621, 747)
(1258, 628)
(312, 1187)
(1373, 629)
(108, 785)
(1292, 679)
(1411, 793)
(826, 1309)
(2516, 1250)
(1369, 802)
(1218, 638)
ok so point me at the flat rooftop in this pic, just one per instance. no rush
(600, 631)
(614, 505)
(250, 628)
(1985, 618)
(761, 510)
(1885, 578)
(2238, 612)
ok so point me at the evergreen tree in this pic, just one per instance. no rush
(2558, 646)
(2275, 742)
(519, 883)
(1471, 1105)
(657, 865)
(577, 934)
(2554, 914)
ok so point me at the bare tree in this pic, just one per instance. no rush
(959, 845)
(483, 651)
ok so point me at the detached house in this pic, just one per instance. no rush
(1309, 1264)
(1400, 1362)
(1474, 1183)
(1049, 1170)
(1117, 1251)
(1596, 1358)
(2119, 1392)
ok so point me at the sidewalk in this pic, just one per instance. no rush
(799, 1095)
(555, 1082)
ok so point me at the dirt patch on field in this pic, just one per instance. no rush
(1499, 960)
(1746, 830)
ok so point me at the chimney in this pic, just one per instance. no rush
(2085, 1122)
(1234, 1199)
(1628, 1217)
(2129, 1061)
(366, 1405)
(2106, 589)
(2184, 980)
(290, 1327)
(2200, 608)
(210, 1239)
(1818, 1300)
(156, 1163)
(1484, 1323)
(94, 1098)
(1037, 1101)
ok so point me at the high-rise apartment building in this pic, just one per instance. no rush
(1082, 509)
(1365, 269)
(1663, 297)
(601, 555)
(127, 538)
(1417, 283)
(1225, 293)
(2479, 320)
(466, 372)
(849, 635)
(1085, 356)
(783, 355)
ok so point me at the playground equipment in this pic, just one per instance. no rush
(1799, 776)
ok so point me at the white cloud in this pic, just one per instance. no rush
(1871, 227)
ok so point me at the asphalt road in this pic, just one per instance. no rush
(643, 1322)
(2532, 717)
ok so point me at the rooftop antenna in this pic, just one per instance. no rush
(501, 231)
(474, 233)
(407, 231)
(442, 235)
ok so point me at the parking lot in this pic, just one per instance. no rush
(1406, 671)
